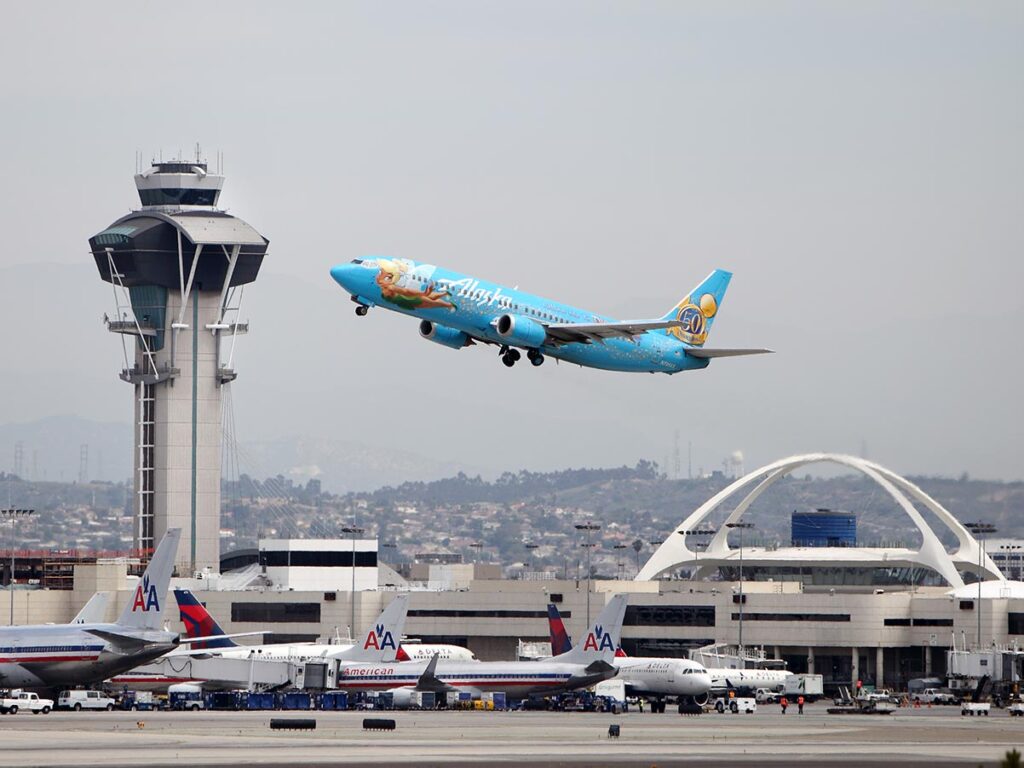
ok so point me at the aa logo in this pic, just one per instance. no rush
(145, 597)
(602, 641)
(380, 638)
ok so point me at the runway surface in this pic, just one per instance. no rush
(908, 738)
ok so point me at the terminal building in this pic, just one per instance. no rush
(882, 615)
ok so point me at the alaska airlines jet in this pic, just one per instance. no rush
(456, 311)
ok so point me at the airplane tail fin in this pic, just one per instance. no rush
(697, 311)
(94, 611)
(560, 642)
(199, 623)
(381, 640)
(602, 637)
(146, 605)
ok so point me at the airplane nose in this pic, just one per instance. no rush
(344, 275)
(704, 681)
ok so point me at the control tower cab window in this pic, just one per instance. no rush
(178, 196)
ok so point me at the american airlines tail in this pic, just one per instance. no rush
(146, 607)
(381, 641)
(199, 623)
(602, 637)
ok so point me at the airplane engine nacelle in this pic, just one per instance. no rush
(441, 334)
(520, 331)
(401, 698)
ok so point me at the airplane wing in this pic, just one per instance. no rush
(589, 333)
(122, 643)
(710, 353)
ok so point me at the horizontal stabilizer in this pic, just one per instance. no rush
(705, 353)
(120, 643)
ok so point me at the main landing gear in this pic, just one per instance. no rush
(510, 356)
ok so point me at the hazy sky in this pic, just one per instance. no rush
(857, 165)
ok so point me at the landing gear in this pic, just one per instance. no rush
(510, 356)
(535, 357)
(361, 310)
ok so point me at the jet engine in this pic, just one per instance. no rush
(519, 331)
(442, 334)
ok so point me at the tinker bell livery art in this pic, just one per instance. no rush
(457, 311)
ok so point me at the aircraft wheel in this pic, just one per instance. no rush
(535, 357)
(514, 354)
(508, 360)
(361, 310)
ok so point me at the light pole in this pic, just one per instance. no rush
(742, 527)
(979, 529)
(14, 515)
(478, 546)
(589, 527)
(530, 546)
(696, 551)
(354, 531)
(618, 556)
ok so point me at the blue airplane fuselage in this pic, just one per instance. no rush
(471, 306)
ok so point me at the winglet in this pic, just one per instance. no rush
(381, 640)
(146, 605)
(601, 638)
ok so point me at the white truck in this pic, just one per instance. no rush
(934, 696)
(811, 687)
(12, 702)
(973, 708)
(735, 704)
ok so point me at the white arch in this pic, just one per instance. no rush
(673, 552)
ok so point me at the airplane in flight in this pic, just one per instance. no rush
(457, 311)
(655, 677)
(86, 652)
(585, 665)
(652, 678)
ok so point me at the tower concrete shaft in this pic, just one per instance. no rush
(177, 266)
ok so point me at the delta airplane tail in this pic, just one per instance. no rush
(560, 642)
(145, 607)
(601, 638)
(199, 623)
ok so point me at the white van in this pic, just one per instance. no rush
(79, 700)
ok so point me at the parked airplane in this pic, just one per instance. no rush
(199, 624)
(456, 311)
(94, 611)
(652, 678)
(222, 663)
(59, 655)
(587, 664)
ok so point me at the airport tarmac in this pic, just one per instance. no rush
(907, 738)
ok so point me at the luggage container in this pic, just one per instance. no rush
(295, 700)
(334, 700)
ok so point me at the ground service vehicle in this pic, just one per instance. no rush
(12, 702)
(186, 696)
(79, 700)
(736, 704)
(934, 696)
(767, 696)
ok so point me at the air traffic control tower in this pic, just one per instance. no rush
(177, 266)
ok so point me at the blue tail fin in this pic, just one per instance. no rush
(199, 623)
(698, 310)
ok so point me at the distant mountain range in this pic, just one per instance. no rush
(51, 449)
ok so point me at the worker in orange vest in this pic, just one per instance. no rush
(800, 704)
(783, 702)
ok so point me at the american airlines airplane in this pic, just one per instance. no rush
(585, 665)
(457, 311)
(85, 652)
(652, 678)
